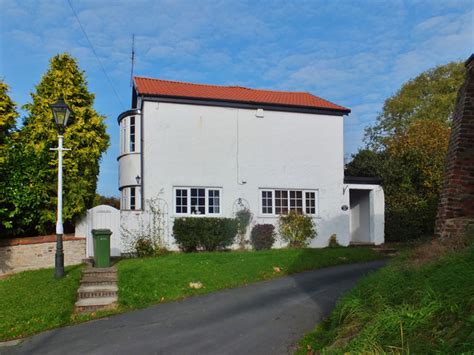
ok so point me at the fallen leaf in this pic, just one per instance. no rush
(195, 285)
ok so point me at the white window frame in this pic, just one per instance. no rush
(303, 191)
(126, 198)
(126, 135)
(132, 135)
(206, 201)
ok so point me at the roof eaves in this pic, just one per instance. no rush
(241, 103)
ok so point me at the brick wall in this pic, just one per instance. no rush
(22, 254)
(457, 197)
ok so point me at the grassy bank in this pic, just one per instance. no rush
(404, 309)
(143, 282)
(33, 301)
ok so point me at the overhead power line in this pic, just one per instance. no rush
(95, 54)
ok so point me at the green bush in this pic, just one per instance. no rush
(333, 243)
(410, 219)
(204, 233)
(297, 229)
(262, 236)
(144, 247)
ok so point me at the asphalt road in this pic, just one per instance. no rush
(264, 318)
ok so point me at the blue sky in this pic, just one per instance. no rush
(354, 53)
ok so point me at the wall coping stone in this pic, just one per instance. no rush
(36, 240)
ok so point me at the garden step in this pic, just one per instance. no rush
(96, 304)
(98, 278)
(95, 282)
(100, 274)
(108, 271)
(97, 270)
(88, 291)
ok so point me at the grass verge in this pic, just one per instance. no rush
(33, 301)
(146, 281)
(404, 309)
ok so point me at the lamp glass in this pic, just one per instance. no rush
(61, 112)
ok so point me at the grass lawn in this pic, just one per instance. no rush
(404, 309)
(33, 301)
(146, 281)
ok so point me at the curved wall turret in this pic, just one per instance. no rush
(129, 159)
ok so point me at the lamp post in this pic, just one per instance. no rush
(61, 113)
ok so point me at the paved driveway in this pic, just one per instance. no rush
(264, 318)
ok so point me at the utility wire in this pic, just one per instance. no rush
(95, 54)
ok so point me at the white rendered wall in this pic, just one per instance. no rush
(190, 145)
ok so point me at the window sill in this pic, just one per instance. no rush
(177, 215)
(278, 216)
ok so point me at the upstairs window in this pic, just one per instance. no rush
(279, 201)
(197, 201)
(132, 134)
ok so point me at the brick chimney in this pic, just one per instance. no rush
(456, 206)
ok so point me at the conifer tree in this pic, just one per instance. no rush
(34, 188)
(8, 116)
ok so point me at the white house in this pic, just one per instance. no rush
(205, 150)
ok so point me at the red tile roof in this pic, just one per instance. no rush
(157, 87)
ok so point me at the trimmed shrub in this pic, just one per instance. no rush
(333, 243)
(296, 229)
(144, 247)
(204, 233)
(262, 236)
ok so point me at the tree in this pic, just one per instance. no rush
(106, 200)
(366, 163)
(407, 147)
(430, 96)
(8, 116)
(34, 176)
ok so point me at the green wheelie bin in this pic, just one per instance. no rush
(101, 247)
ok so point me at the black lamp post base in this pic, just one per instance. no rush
(59, 257)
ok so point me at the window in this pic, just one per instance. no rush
(197, 200)
(132, 134)
(132, 198)
(123, 136)
(276, 202)
(267, 202)
(181, 201)
(310, 198)
(123, 202)
(213, 201)
(281, 201)
(296, 201)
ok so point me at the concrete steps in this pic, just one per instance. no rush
(92, 291)
(98, 290)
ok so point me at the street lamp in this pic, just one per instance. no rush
(61, 113)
